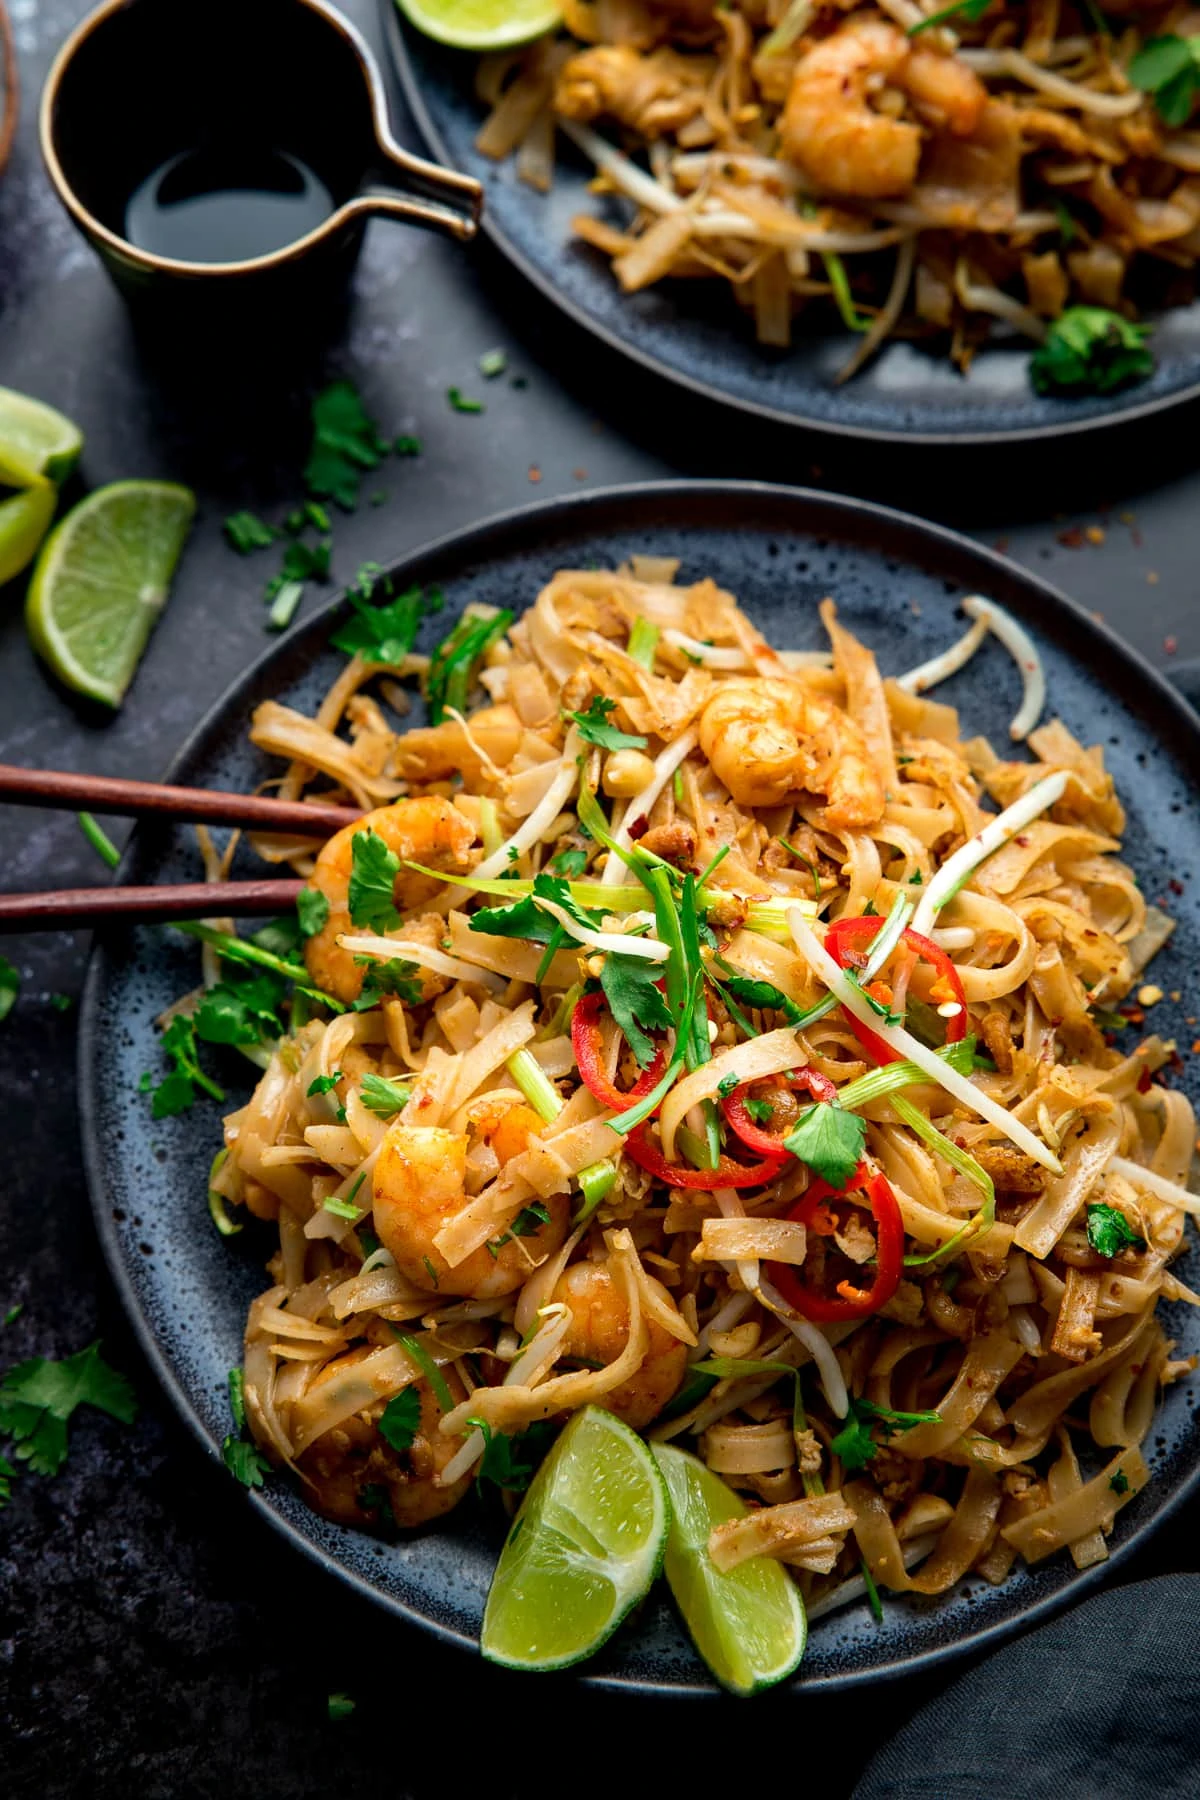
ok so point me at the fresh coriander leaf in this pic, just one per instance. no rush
(381, 634)
(145, 1082)
(38, 1398)
(1109, 1231)
(301, 562)
(594, 728)
(246, 532)
(312, 911)
(281, 938)
(526, 919)
(453, 665)
(569, 863)
(406, 446)
(1119, 1482)
(374, 1498)
(530, 1219)
(727, 1085)
(830, 1140)
(244, 1011)
(637, 1005)
(245, 1461)
(759, 1110)
(14, 1312)
(340, 1706)
(323, 1084)
(1090, 349)
(346, 441)
(384, 1098)
(173, 1095)
(961, 9)
(346, 1209)
(1169, 69)
(492, 363)
(854, 1444)
(7, 1476)
(237, 1397)
(10, 986)
(373, 872)
(396, 979)
(499, 1463)
(61, 1002)
(459, 402)
(401, 1418)
(761, 994)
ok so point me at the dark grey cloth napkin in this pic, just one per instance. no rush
(1103, 1704)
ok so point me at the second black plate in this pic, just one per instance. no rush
(693, 332)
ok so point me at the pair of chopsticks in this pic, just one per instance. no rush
(146, 799)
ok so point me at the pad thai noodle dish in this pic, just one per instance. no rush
(941, 172)
(720, 1046)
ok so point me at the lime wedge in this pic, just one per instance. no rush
(101, 581)
(35, 441)
(583, 1549)
(24, 521)
(748, 1625)
(482, 24)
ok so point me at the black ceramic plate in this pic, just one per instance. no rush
(897, 583)
(694, 333)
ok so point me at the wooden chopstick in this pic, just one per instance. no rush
(191, 900)
(140, 799)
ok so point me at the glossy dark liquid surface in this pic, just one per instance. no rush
(226, 205)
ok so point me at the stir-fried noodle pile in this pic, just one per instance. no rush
(929, 171)
(713, 1050)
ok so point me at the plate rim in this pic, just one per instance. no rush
(395, 33)
(556, 513)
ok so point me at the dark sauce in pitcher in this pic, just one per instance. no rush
(226, 205)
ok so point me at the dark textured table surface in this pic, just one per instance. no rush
(154, 1639)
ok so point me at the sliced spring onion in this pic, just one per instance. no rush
(454, 662)
(947, 663)
(535, 1084)
(665, 765)
(489, 827)
(99, 839)
(595, 1184)
(905, 1045)
(893, 1076)
(216, 1202)
(643, 642)
(770, 917)
(888, 938)
(1021, 647)
(430, 1371)
(966, 1165)
(585, 893)
(996, 833)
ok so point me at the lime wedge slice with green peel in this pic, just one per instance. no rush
(101, 581)
(482, 24)
(584, 1548)
(35, 441)
(748, 1625)
(24, 521)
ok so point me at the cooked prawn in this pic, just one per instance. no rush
(599, 1332)
(420, 1185)
(830, 129)
(427, 830)
(652, 94)
(353, 1457)
(769, 739)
